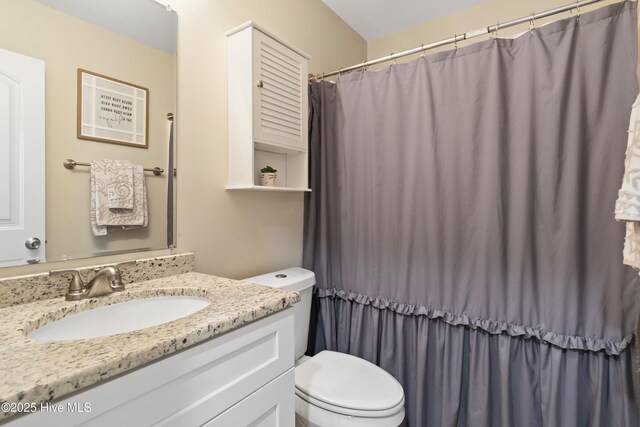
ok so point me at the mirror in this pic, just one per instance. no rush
(128, 48)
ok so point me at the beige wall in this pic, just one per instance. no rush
(65, 44)
(240, 233)
(470, 19)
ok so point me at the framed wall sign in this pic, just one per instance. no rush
(111, 110)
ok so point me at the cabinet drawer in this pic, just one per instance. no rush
(271, 406)
(189, 387)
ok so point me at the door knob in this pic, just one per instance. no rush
(32, 243)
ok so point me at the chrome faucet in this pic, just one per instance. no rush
(106, 281)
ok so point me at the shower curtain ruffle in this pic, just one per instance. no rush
(569, 342)
(474, 378)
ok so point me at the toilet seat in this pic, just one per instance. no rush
(348, 385)
(358, 413)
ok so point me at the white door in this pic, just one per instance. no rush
(22, 187)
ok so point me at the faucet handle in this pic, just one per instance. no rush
(118, 285)
(76, 285)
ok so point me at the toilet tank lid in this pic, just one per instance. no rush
(291, 279)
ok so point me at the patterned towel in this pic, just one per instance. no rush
(628, 203)
(104, 219)
(119, 183)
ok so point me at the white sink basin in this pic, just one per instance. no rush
(119, 318)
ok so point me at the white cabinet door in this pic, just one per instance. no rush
(22, 197)
(271, 406)
(280, 108)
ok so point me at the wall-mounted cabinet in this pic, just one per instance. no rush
(268, 110)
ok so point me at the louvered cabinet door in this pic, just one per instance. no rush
(280, 97)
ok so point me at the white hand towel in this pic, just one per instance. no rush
(104, 219)
(628, 203)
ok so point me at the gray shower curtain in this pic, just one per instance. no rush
(461, 226)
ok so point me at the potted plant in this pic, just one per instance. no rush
(268, 176)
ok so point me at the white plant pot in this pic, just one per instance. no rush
(268, 179)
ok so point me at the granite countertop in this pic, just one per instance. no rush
(36, 372)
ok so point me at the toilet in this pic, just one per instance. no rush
(334, 389)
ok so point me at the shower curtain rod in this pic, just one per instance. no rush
(459, 37)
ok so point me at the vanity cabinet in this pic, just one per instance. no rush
(241, 378)
(267, 110)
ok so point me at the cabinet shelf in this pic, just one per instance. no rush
(277, 148)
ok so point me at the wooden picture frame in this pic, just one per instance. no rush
(112, 111)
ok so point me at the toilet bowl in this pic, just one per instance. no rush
(340, 390)
(334, 389)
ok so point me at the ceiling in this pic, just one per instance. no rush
(373, 19)
(145, 21)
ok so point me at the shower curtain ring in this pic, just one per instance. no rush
(532, 24)
(455, 41)
(393, 60)
(578, 11)
(422, 53)
(494, 33)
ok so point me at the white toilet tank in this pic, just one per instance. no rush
(299, 280)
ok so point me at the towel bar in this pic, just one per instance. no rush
(71, 164)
